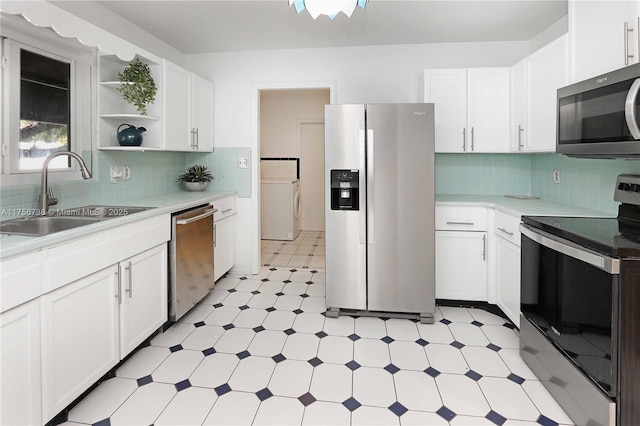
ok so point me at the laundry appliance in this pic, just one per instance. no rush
(280, 209)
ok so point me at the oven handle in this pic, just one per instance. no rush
(630, 109)
(607, 264)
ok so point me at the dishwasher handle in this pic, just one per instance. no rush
(207, 213)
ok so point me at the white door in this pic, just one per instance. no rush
(488, 111)
(176, 108)
(461, 265)
(311, 142)
(202, 112)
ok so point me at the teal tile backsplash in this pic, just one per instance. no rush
(152, 173)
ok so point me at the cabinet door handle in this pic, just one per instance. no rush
(627, 55)
(119, 285)
(472, 139)
(520, 130)
(130, 275)
(505, 231)
(461, 223)
(464, 139)
(226, 210)
(484, 247)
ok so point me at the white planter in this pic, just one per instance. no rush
(195, 186)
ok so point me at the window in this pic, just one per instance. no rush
(47, 87)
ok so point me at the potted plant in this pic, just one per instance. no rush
(138, 87)
(195, 178)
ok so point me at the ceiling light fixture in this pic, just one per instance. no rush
(327, 7)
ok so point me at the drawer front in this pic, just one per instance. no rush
(454, 218)
(507, 227)
(226, 207)
(21, 280)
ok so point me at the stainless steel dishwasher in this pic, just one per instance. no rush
(190, 259)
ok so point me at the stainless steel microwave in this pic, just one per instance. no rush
(599, 117)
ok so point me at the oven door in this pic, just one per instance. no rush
(600, 116)
(571, 295)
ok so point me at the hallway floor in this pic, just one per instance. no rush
(259, 351)
(306, 251)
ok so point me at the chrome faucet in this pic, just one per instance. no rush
(46, 196)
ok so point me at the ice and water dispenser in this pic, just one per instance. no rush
(345, 190)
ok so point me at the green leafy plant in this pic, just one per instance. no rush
(138, 87)
(196, 173)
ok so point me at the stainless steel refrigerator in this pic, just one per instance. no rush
(379, 197)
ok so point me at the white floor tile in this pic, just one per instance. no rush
(501, 336)
(279, 411)
(291, 378)
(281, 274)
(143, 362)
(417, 390)
(402, 329)
(446, 358)
(222, 316)
(331, 382)
(516, 364)
(408, 355)
(288, 303)
(301, 276)
(301, 346)
(370, 327)
(267, 343)
(421, 418)
(145, 405)
(336, 349)
(471, 421)
(317, 290)
(373, 386)
(189, 407)
(319, 277)
(215, 296)
(235, 340)
(322, 413)
(233, 408)
(103, 401)
(279, 320)
(468, 334)
(203, 337)
(485, 361)
(313, 304)
(371, 352)
(262, 300)
(508, 399)
(178, 366)
(249, 285)
(272, 287)
(238, 298)
(174, 335)
(435, 333)
(250, 318)
(309, 322)
(252, 374)
(295, 288)
(485, 317)
(455, 314)
(462, 395)
(341, 326)
(227, 283)
(373, 416)
(215, 370)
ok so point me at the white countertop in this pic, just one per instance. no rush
(12, 245)
(522, 207)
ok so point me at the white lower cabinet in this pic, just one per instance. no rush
(20, 371)
(461, 253)
(89, 325)
(461, 265)
(508, 278)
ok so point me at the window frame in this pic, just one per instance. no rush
(83, 93)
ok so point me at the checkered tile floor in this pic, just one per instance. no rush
(305, 252)
(258, 350)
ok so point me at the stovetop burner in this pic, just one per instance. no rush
(616, 237)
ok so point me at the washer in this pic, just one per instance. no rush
(280, 209)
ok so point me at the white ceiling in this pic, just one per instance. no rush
(202, 26)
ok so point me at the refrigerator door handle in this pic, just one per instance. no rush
(370, 188)
(363, 211)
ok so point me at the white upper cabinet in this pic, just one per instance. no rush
(188, 110)
(471, 108)
(534, 84)
(604, 36)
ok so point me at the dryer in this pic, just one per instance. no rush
(280, 209)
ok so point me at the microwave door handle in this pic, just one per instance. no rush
(630, 109)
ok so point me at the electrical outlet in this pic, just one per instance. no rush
(556, 176)
(126, 172)
(243, 163)
(115, 174)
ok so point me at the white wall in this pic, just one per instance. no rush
(360, 75)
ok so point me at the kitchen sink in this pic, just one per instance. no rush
(38, 226)
(62, 220)
(101, 212)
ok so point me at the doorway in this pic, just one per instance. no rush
(291, 131)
